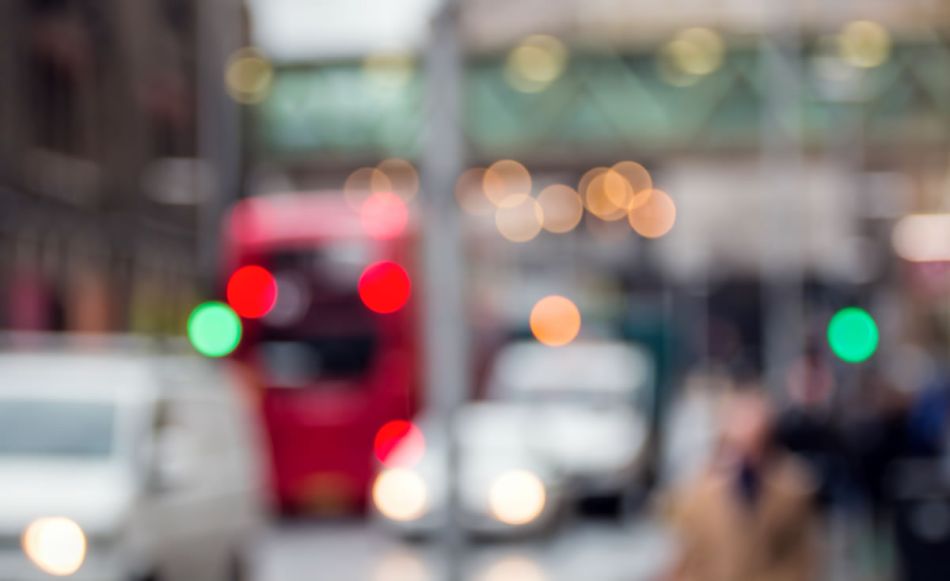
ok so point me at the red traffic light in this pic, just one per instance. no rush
(384, 287)
(252, 291)
(394, 434)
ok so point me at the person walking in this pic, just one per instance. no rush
(749, 516)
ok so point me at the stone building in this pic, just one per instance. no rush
(119, 148)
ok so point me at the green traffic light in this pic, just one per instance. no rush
(853, 335)
(214, 329)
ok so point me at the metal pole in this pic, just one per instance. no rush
(219, 127)
(446, 341)
(781, 169)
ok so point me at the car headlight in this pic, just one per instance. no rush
(56, 545)
(517, 497)
(400, 494)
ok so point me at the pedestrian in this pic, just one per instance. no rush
(749, 515)
(806, 425)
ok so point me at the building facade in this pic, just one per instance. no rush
(111, 164)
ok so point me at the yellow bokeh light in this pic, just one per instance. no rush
(711, 46)
(56, 545)
(864, 44)
(555, 321)
(535, 63)
(519, 218)
(655, 216)
(561, 207)
(669, 69)
(248, 76)
(470, 194)
(400, 494)
(692, 53)
(505, 178)
(363, 183)
(705, 52)
(608, 195)
(686, 56)
(399, 175)
(517, 497)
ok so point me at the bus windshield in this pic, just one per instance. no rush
(319, 329)
(297, 363)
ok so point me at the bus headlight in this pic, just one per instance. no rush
(517, 497)
(400, 494)
(56, 545)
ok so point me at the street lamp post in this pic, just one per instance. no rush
(781, 259)
(447, 366)
(219, 125)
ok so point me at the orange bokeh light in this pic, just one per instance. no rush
(505, 178)
(561, 207)
(519, 218)
(399, 175)
(608, 196)
(639, 180)
(655, 216)
(555, 321)
(588, 177)
(363, 183)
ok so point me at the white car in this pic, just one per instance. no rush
(504, 486)
(589, 400)
(118, 465)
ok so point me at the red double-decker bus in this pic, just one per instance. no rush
(336, 356)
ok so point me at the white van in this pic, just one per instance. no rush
(123, 465)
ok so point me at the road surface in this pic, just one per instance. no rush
(594, 550)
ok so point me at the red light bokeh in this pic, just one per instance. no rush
(384, 215)
(396, 433)
(252, 291)
(384, 287)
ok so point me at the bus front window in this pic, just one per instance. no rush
(319, 331)
(299, 363)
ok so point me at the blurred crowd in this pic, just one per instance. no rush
(840, 474)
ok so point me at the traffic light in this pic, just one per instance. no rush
(399, 433)
(252, 291)
(214, 329)
(384, 287)
(853, 335)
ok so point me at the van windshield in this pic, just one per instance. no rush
(70, 428)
